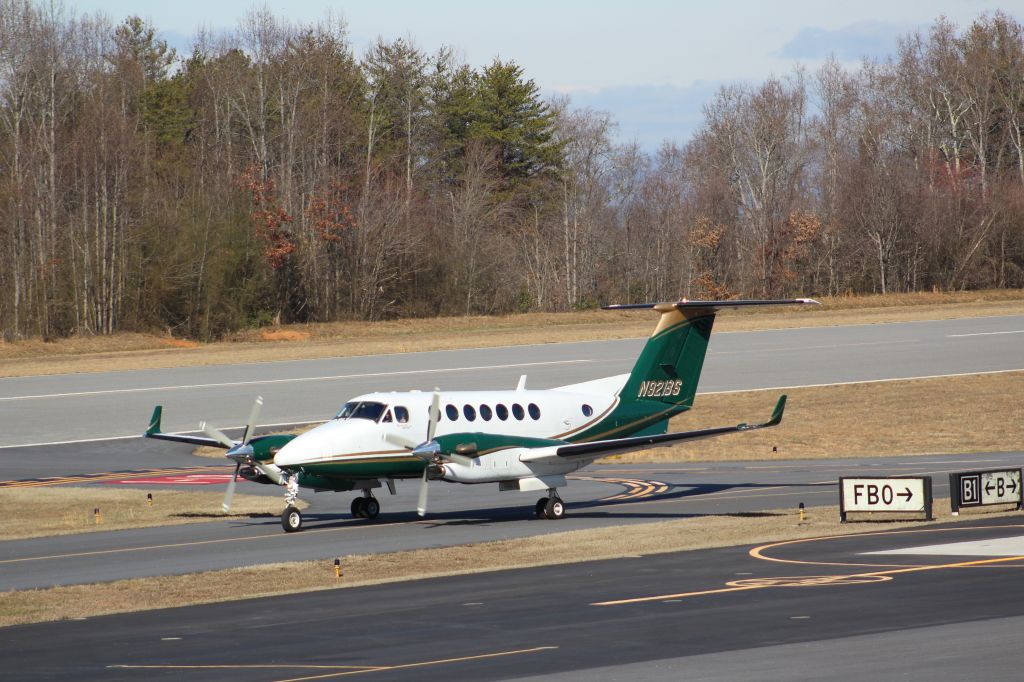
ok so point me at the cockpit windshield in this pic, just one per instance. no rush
(362, 410)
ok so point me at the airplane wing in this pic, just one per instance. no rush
(618, 446)
(154, 432)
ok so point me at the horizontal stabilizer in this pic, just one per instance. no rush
(685, 304)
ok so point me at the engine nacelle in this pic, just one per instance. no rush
(255, 475)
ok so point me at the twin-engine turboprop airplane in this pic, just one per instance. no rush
(523, 440)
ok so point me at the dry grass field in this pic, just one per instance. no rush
(141, 351)
(974, 413)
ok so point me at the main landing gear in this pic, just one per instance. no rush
(550, 507)
(366, 507)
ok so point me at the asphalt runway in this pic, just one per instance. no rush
(52, 409)
(600, 496)
(826, 609)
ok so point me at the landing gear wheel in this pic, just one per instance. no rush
(371, 507)
(554, 509)
(539, 508)
(291, 519)
(359, 508)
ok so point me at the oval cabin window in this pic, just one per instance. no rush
(485, 413)
(534, 412)
(469, 413)
(501, 411)
(451, 411)
(517, 411)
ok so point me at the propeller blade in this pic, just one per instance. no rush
(217, 435)
(400, 441)
(435, 414)
(421, 503)
(250, 426)
(230, 492)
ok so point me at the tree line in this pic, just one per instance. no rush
(275, 175)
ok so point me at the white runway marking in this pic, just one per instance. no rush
(1013, 546)
(292, 380)
(960, 336)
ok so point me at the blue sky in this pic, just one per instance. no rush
(651, 63)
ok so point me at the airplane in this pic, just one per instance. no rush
(523, 439)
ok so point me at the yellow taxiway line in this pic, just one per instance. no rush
(337, 670)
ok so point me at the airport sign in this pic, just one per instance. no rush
(982, 488)
(886, 495)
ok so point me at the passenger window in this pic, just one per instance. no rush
(534, 411)
(502, 412)
(401, 414)
(452, 412)
(485, 413)
(517, 411)
(587, 410)
(469, 413)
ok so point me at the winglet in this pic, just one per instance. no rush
(154, 421)
(777, 412)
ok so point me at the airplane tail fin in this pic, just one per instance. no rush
(670, 364)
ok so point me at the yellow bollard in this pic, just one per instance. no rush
(149, 499)
(337, 568)
(96, 514)
(801, 512)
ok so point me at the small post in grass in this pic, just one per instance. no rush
(96, 515)
(149, 499)
(802, 512)
(337, 568)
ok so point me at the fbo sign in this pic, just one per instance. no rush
(895, 494)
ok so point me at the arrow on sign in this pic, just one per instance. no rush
(988, 487)
(906, 493)
(1012, 485)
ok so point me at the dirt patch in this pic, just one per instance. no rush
(82, 601)
(70, 509)
(180, 343)
(336, 339)
(283, 335)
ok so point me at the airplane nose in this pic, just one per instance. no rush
(288, 455)
(313, 446)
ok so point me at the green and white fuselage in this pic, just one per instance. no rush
(503, 426)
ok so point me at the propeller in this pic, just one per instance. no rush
(239, 451)
(435, 414)
(428, 450)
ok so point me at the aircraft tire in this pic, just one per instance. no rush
(371, 507)
(541, 507)
(554, 509)
(358, 508)
(291, 519)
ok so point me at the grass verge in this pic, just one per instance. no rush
(63, 510)
(141, 351)
(973, 413)
(698, 532)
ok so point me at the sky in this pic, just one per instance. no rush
(652, 64)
